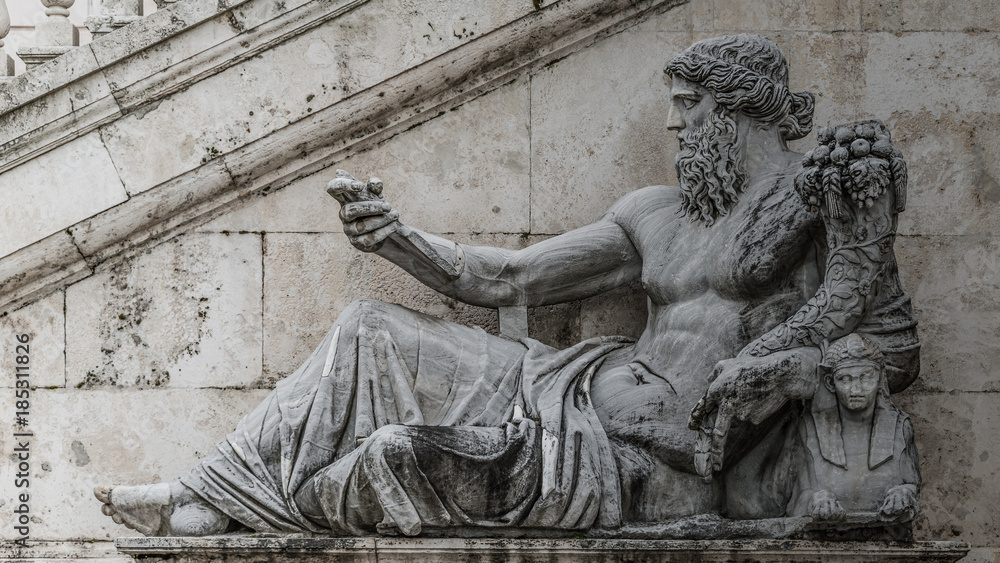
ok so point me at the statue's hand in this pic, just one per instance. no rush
(824, 506)
(900, 504)
(367, 219)
(748, 389)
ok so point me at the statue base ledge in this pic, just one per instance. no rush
(253, 549)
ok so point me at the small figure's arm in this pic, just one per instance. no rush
(901, 502)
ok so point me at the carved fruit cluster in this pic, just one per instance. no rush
(856, 163)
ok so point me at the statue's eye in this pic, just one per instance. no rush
(688, 103)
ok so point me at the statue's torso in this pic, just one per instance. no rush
(711, 290)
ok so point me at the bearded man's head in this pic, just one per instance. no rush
(746, 74)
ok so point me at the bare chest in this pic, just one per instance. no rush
(746, 256)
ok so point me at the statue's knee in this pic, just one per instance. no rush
(362, 310)
(387, 441)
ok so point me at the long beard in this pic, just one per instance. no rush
(710, 168)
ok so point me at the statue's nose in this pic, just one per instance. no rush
(674, 120)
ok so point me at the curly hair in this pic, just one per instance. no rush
(747, 73)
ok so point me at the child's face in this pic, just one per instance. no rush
(856, 385)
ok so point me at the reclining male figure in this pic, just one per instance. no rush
(399, 421)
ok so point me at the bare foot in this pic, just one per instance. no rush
(163, 509)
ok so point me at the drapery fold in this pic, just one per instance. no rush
(399, 421)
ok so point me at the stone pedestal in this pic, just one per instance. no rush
(252, 549)
(56, 31)
(34, 56)
(54, 36)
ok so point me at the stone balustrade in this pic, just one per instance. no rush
(6, 63)
(56, 35)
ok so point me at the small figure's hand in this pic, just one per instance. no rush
(900, 504)
(748, 389)
(367, 219)
(824, 506)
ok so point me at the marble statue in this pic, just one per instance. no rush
(400, 422)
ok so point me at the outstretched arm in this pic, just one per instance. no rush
(574, 265)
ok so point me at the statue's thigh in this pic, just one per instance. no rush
(443, 361)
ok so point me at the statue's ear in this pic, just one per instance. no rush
(826, 376)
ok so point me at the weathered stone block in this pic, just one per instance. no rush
(104, 437)
(594, 135)
(186, 313)
(153, 214)
(284, 84)
(45, 352)
(55, 190)
(78, 66)
(410, 36)
(956, 294)
(302, 206)
(154, 28)
(930, 15)
(26, 274)
(958, 442)
(407, 550)
(981, 555)
(696, 16)
(810, 15)
(465, 171)
(933, 72)
(87, 551)
(954, 169)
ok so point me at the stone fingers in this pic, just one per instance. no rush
(353, 211)
(344, 187)
(723, 420)
(701, 410)
(372, 241)
(367, 225)
(898, 506)
(103, 494)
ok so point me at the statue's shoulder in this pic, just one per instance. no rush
(635, 207)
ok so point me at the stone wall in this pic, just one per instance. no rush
(142, 365)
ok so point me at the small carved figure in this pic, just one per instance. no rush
(857, 452)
